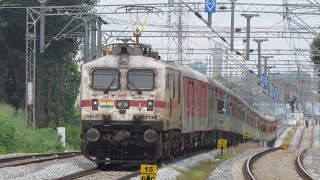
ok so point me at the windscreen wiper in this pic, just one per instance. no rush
(132, 84)
(113, 80)
(139, 90)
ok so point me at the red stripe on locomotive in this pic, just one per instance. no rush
(85, 103)
(159, 104)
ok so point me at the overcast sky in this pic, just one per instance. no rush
(220, 20)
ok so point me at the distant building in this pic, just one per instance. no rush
(199, 66)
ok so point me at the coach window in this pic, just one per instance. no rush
(105, 79)
(220, 102)
(140, 79)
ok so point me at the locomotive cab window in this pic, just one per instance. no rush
(140, 79)
(105, 79)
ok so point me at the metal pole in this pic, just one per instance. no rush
(248, 17)
(248, 39)
(99, 44)
(31, 22)
(209, 19)
(86, 41)
(259, 60)
(259, 41)
(42, 28)
(171, 3)
(232, 25)
(93, 38)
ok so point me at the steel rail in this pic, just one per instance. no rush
(35, 158)
(79, 174)
(300, 168)
(299, 161)
(247, 167)
(131, 175)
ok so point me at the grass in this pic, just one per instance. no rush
(287, 140)
(15, 136)
(204, 169)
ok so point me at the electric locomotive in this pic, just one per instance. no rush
(137, 108)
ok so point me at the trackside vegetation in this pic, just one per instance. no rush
(15, 136)
(204, 169)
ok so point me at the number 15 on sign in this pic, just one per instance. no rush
(148, 172)
(148, 169)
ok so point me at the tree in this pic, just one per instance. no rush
(57, 78)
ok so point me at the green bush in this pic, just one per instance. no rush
(73, 137)
(15, 136)
(7, 134)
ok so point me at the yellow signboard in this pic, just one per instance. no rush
(147, 177)
(246, 134)
(148, 172)
(148, 169)
(222, 144)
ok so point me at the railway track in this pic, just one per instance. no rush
(80, 174)
(112, 171)
(36, 158)
(300, 168)
(298, 165)
(299, 161)
(247, 167)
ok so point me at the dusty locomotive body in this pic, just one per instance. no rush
(136, 108)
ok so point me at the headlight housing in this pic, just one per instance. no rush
(95, 104)
(122, 104)
(150, 105)
(93, 135)
(150, 135)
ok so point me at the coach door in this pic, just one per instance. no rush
(173, 87)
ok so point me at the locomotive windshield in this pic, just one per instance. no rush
(105, 79)
(140, 79)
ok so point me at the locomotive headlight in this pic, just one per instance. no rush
(93, 135)
(150, 105)
(150, 135)
(119, 104)
(95, 104)
(125, 104)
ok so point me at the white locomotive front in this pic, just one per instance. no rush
(122, 102)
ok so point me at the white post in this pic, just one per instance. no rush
(62, 134)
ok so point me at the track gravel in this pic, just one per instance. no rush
(311, 161)
(47, 170)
